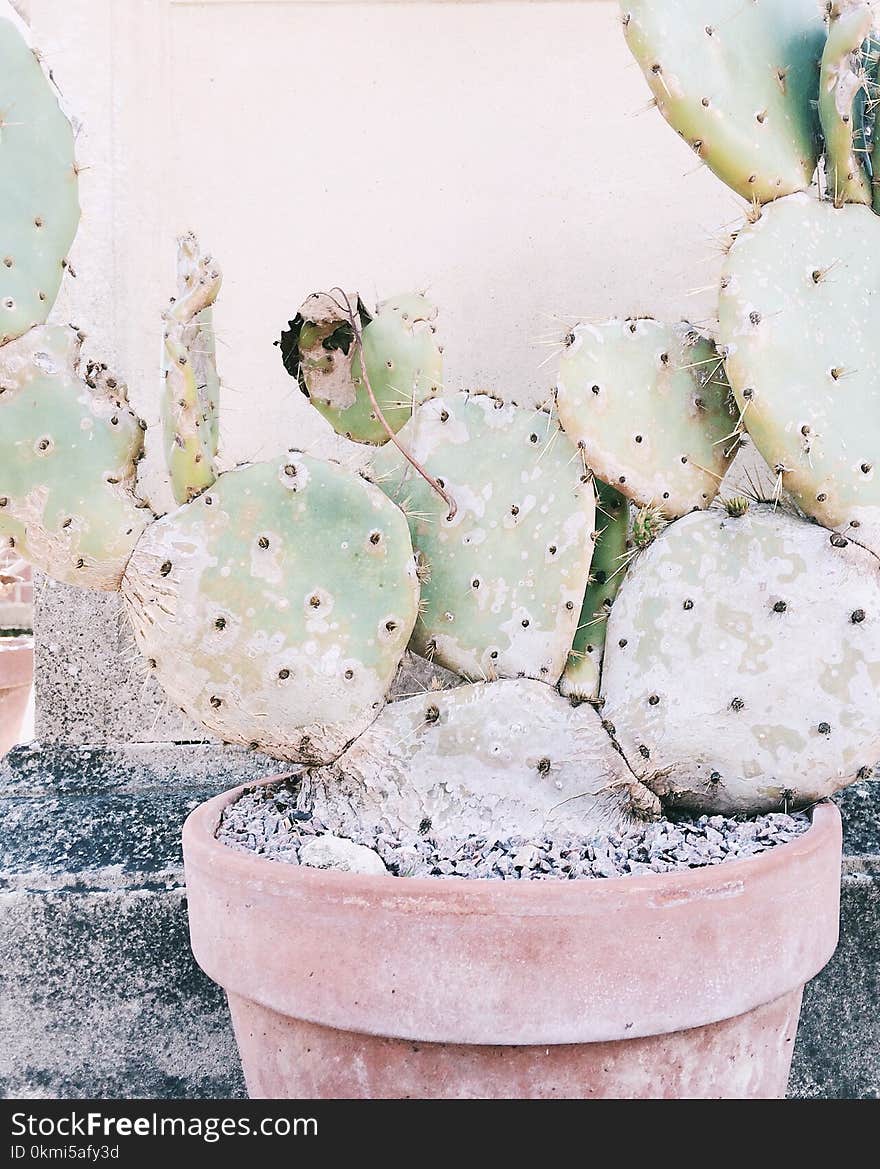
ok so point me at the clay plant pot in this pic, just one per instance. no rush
(16, 678)
(673, 985)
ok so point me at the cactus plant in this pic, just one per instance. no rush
(842, 89)
(333, 337)
(648, 404)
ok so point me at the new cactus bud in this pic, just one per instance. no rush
(39, 201)
(69, 448)
(583, 670)
(276, 607)
(404, 364)
(742, 662)
(533, 764)
(800, 323)
(842, 87)
(648, 523)
(738, 81)
(649, 405)
(191, 391)
(504, 574)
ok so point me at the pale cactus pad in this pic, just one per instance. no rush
(69, 449)
(649, 405)
(743, 662)
(738, 80)
(800, 327)
(39, 202)
(504, 578)
(842, 99)
(276, 607)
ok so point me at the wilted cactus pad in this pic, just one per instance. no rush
(743, 662)
(276, 607)
(800, 324)
(738, 80)
(504, 579)
(647, 403)
(69, 449)
(39, 203)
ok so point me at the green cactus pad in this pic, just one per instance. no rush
(276, 607)
(743, 662)
(507, 758)
(800, 325)
(39, 202)
(584, 668)
(841, 89)
(69, 447)
(504, 578)
(191, 391)
(648, 404)
(738, 80)
(404, 362)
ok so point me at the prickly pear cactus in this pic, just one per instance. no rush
(738, 80)
(69, 448)
(503, 579)
(800, 326)
(648, 404)
(191, 391)
(743, 661)
(583, 670)
(842, 90)
(510, 758)
(39, 202)
(276, 607)
(404, 364)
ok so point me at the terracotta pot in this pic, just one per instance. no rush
(16, 678)
(675, 985)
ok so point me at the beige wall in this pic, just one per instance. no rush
(491, 151)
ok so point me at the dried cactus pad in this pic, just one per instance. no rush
(504, 578)
(800, 324)
(39, 202)
(276, 607)
(503, 758)
(648, 404)
(738, 80)
(743, 661)
(404, 362)
(583, 672)
(69, 447)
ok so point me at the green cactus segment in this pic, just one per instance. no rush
(743, 662)
(39, 202)
(404, 362)
(191, 392)
(276, 607)
(504, 578)
(583, 671)
(738, 80)
(506, 758)
(841, 105)
(800, 325)
(649, 405)
(69, 447)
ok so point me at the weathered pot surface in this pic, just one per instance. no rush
(675, 984)
(16, 677)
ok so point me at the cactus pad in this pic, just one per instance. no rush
(39, 202)
(507, 758)
(69, 447)
(504, 578)
(276, 607)
(800, 325)
(743, 662)
(841, 105)
(738, 80)
(404, 362)
(648, 404)
(582, 673)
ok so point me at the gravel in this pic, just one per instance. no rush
(266, 821)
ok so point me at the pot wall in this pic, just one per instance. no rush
(16, 677)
